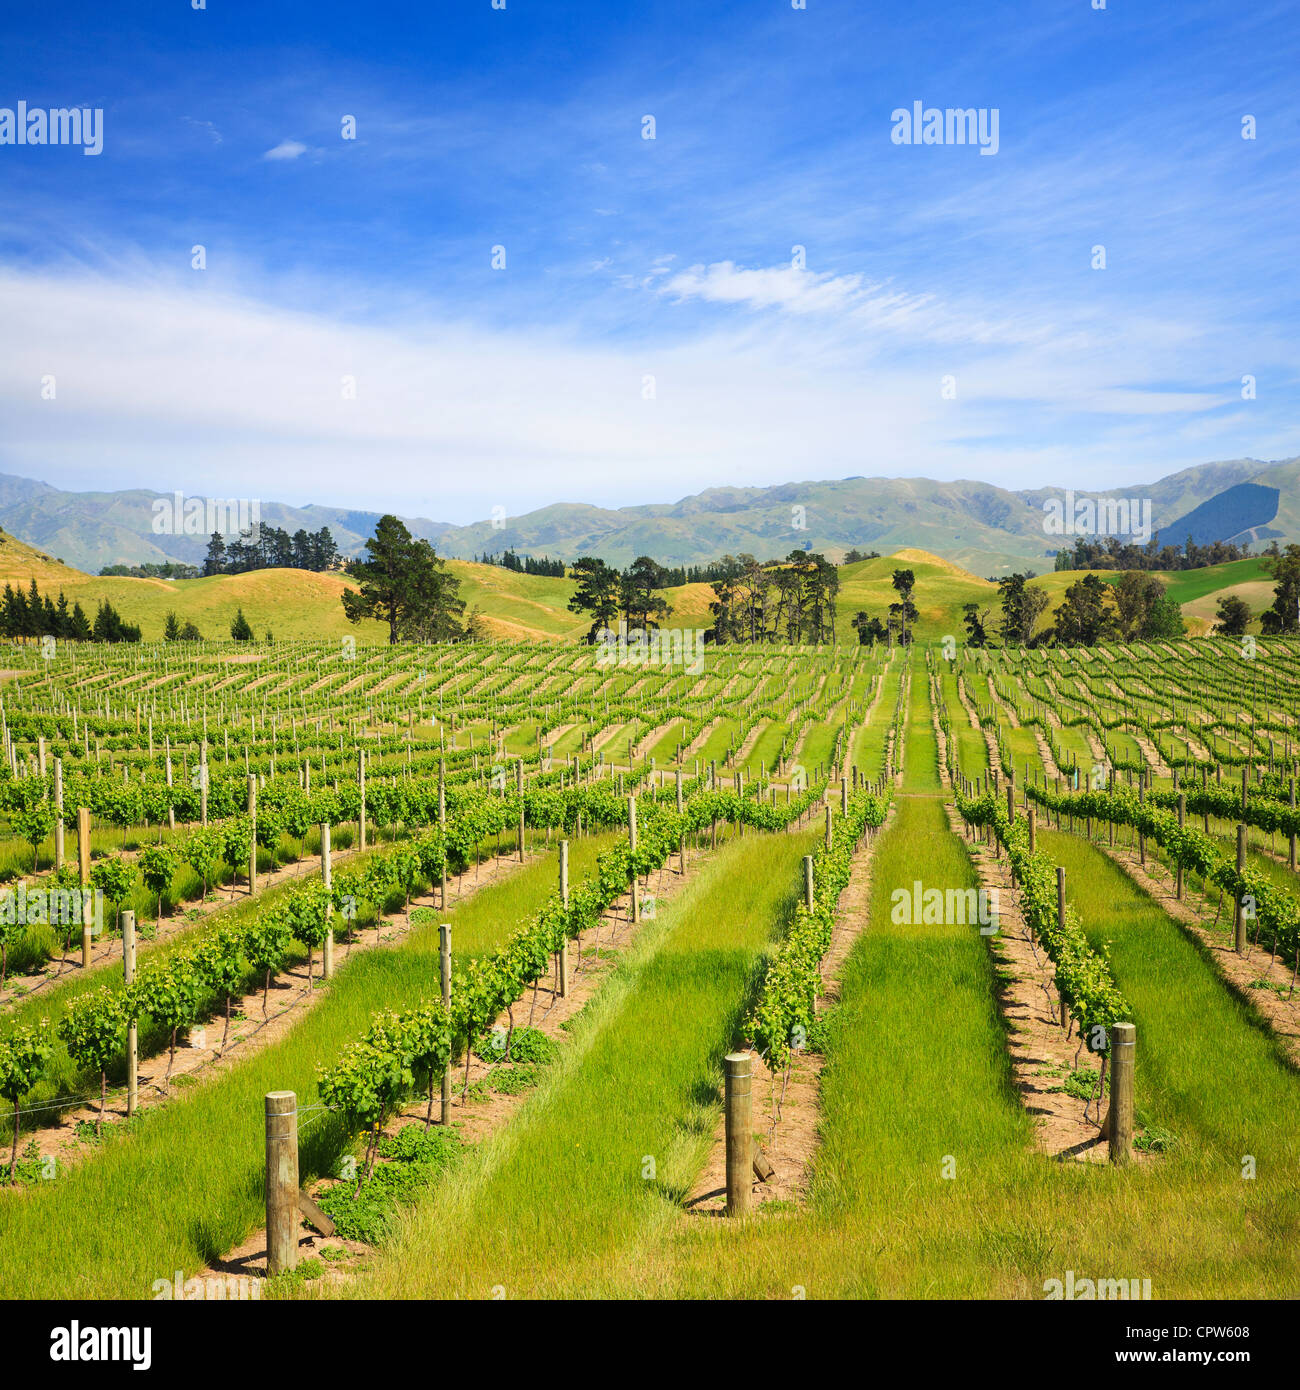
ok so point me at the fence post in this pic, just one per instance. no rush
(830, 812)
(808, 881)
(282, 1216)
(564, 898)
(1060, 922)
(59, 808)
(631, 837)
(1293, 834)
(361, 783)
(442, 825)
(1033, 829)
(1182, 820)
(83, 866)
(1142, 796)
(444, 973)
(252, 845)
(326, 870)
(1123, 1045)
(740, 1138)
(132, 1035)
(1239, 918)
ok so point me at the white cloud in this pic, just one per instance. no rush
(286, 149)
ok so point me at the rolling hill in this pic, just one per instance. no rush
(982, 528)
(298, 603)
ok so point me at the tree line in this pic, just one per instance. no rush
(28, 614)
(272, 548)
(528, 564)
(1110, 553)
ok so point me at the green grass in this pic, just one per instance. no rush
(194, 1166)
(1208, 1069)
(562, 1194)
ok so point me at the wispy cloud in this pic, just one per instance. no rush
(286, 149)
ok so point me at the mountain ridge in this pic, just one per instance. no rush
(980, 526)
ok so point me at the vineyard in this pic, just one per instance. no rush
(1005, 942)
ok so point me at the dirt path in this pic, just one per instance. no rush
(787, 1109)
(1043, 1053)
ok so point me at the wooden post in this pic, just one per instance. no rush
(1060, 922)
(1011, 802)
(631, 838)
(203, 786)
(132, 1040)
(1142, 796)
(740, 1137)
(442, 825)
(1239, 918)
(326, 871)
(361, 783)
(444, 973)
(1033, 829)
(1123, 1045)
(59, 829)
(83, 868)
(282, 1216)
(252, 846)
(171, 810)
(830, 812)
(844, 796)
(1293, 834)
(564, 898)
(808, 881)
(1182, 820)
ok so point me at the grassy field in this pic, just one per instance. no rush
(195, 1166)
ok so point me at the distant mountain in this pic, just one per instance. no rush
(1240, 514)
(985, 529)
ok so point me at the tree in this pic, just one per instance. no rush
(1284, 616)
(1087, 616)
(172, 628)
(1164, 619)
(404, 584)
(215, 561)
(240, 629)
(637, 593)
(905, 581)
(190, 633)
(976, 633)
(1234, 616)
(870, 630)
(1021, 609)
(1136, 593)
(599, 593)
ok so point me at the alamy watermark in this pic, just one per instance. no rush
(179, 515)
(948, 907)
(677, 646)
(1097, 1290)
(1075, 515)
(952, 125)
(55, 907)
(59, 125)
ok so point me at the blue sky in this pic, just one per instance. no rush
(349, 340)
